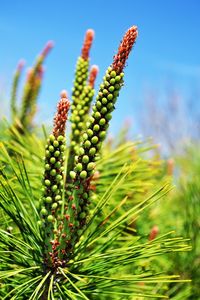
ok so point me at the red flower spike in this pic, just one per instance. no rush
(154, 232)
(87, 44)
(61, 117)
(124, 49)
(92, 76)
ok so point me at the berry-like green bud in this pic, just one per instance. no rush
(85, 136)
(94, 140)
(53, 172)
(51, 148)
(47, 167)
(92, 151)
(52, 160)
(85, 159)
(108, 117)
(58, 164)
(113, 74)
(102, 134)
(104, 100)
(54, 205)
(47, 182)
(60, 138)
(97, 115)
(52, 137)
(58, 197)
(110, 97)
(72, 174)
(85, 196)
(81, 151)
(90, 166)
(56, 143)
(58, 177)
(56, 153)
(62, 148)
(103, 110)
(79, 167)
(112, 80)
(102, 121)
(90, 132)
(96, 127)
(43, 211)
(48, 199)
(50, 218)
(87, 144)
(54, 188)
(111, 88)
(83, 174)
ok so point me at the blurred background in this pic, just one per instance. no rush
(162, 80)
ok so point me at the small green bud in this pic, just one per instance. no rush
(90, 166)
(56, 143)
(50, 218)
(51, 148)
(104, 110)
(39, 223)
(108, 117)
(102, 121)
(85, 159)
(98, 104)
(52, 160)
(54, 188)
(58, 177)
(79, 167)
(43, 211)
(117, 78)
(53, 172)
(56, 153)
(58, 164)
(76, 132)
(104, 100)
(110, 97)
(47, 153)
(90, 132)
(111, 88)
(97, 115)
(92, 151)
(62, 148)
(85, 136)
(113, 74)
(47, 182)
(54, 205)
(72, 174)
(47, 167)
(96, 127)
(51, 137)
(102, 134)
(112, 80)
(94, 140)
(48, 199)
(81, 151)
(87, 144)
(83, 174)
(60, 138)
(58, 197)
(105, 91)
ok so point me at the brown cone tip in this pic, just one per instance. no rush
(92, 76)
(154, 232)
(124, 49)
(89, 36)
(61, 116)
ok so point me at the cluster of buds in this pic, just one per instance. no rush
(51, 200)
(79, 194)
(32, 87)
(82, 95)
(14, 88)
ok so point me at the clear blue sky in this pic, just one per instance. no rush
(168, 45)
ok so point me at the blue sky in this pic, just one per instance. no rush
(167, 49)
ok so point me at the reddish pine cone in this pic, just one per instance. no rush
(124, 49)
(87, 44)
(49, 45)
(61, 116)
(92, 76)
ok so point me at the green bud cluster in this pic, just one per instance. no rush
(91, 143)
(81, 75)
(53, 186)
